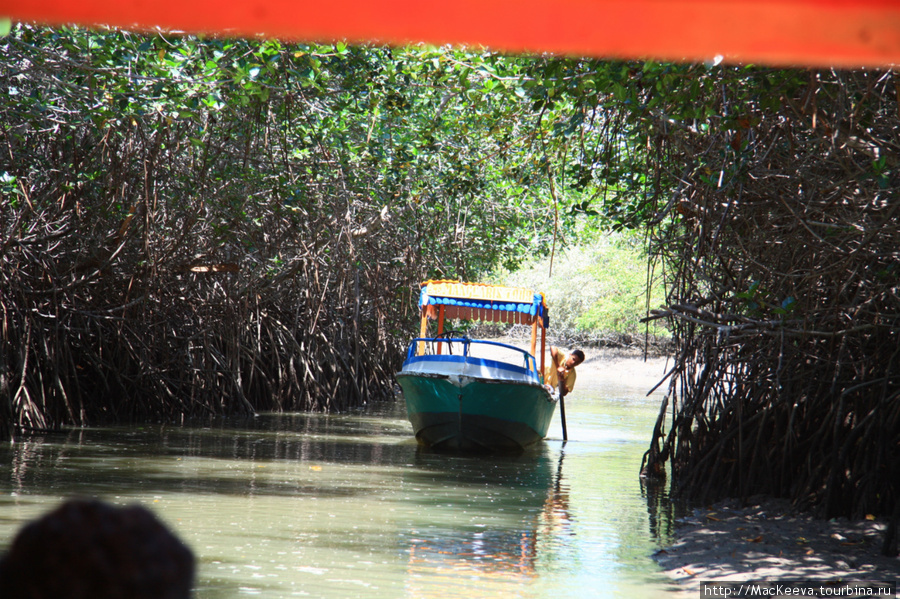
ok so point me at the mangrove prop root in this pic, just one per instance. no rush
(146, 274)
(783, 283)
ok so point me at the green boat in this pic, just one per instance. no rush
(476, 395)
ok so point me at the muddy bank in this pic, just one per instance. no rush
(765, 540)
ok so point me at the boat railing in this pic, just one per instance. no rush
(529, 363)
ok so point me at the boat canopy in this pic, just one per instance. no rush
(478, 301)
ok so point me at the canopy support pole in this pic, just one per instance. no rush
(534, 327)
(420, 350)
(440, 327)
(543, 348)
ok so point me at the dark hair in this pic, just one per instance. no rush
(578, 354)
(88, 549)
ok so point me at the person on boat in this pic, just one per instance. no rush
(562, 368)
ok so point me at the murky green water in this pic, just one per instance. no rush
(349, 506)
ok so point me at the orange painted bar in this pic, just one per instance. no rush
(783, 32)
(534, 329)
(440, 327)
(423, 330)
(543, 348)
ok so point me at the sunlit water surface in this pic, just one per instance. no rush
(348, 505)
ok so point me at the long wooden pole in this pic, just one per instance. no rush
(562, 410)
(562, 401)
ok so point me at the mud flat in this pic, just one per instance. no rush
(765, 540)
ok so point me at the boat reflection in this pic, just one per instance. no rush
(512, 518)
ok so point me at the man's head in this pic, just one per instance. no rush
(88, 549)
(575, 358)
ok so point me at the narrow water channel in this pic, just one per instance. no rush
(348, 505)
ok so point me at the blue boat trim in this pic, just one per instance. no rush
(473, 361)
(530, 370)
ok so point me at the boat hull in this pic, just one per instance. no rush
(464, 413)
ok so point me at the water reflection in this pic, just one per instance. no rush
(349, 505)
(662, 511)
(523, 502)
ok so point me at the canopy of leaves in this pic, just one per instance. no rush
(184, 217)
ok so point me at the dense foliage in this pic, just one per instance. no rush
(200, 226)
(599, 291)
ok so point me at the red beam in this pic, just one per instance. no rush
(781, 32)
